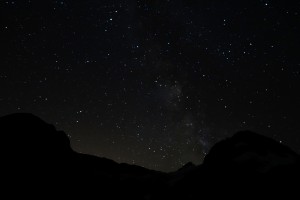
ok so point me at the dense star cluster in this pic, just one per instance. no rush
(153, 83)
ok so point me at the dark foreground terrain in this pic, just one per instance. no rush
(38, 162)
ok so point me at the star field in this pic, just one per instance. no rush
(153, 83)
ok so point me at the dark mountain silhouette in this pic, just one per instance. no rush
(37, 161)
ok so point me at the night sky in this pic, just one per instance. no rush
(153, 82)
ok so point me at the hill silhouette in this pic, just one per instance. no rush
(37, 161)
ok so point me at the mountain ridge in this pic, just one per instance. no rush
(34, 150)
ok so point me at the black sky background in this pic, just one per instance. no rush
(154, 83)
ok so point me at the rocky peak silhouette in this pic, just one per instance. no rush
(37, 157)
(22, 133)
(251, 152)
